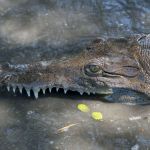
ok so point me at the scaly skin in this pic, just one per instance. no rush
(102, 66)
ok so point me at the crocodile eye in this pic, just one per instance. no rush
(92, 70)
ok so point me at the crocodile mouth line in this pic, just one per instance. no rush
(48, 88)
(114, 74)
(110, 75)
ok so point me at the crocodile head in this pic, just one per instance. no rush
(102, 66)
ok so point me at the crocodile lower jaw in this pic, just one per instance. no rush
(37, 89)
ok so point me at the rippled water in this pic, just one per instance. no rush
(46, 29)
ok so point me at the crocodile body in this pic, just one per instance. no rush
(105, 64)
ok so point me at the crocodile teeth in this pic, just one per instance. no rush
(57, 89)
(14, 89)
(43, 90)
(28, 92)
(81, 92)
(88, 93)
(50, 90)
(20, 89)
(8, 88)
(36, 92)
(65, 91)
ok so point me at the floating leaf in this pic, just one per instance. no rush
(83, 108)
(97, 116)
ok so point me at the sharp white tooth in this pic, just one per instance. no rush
(8, 88)
(28, 92)
(14, 89)
(43, 90)
(57, 89)
(36, 92)
(88, 93)
(50, 90)
(81, 92)
(20, 89)
(65, 91)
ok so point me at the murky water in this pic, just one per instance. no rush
(40, 29)
(46, 29)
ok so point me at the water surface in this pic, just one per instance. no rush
(46, 29)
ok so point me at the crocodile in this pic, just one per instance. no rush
(105, 64)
